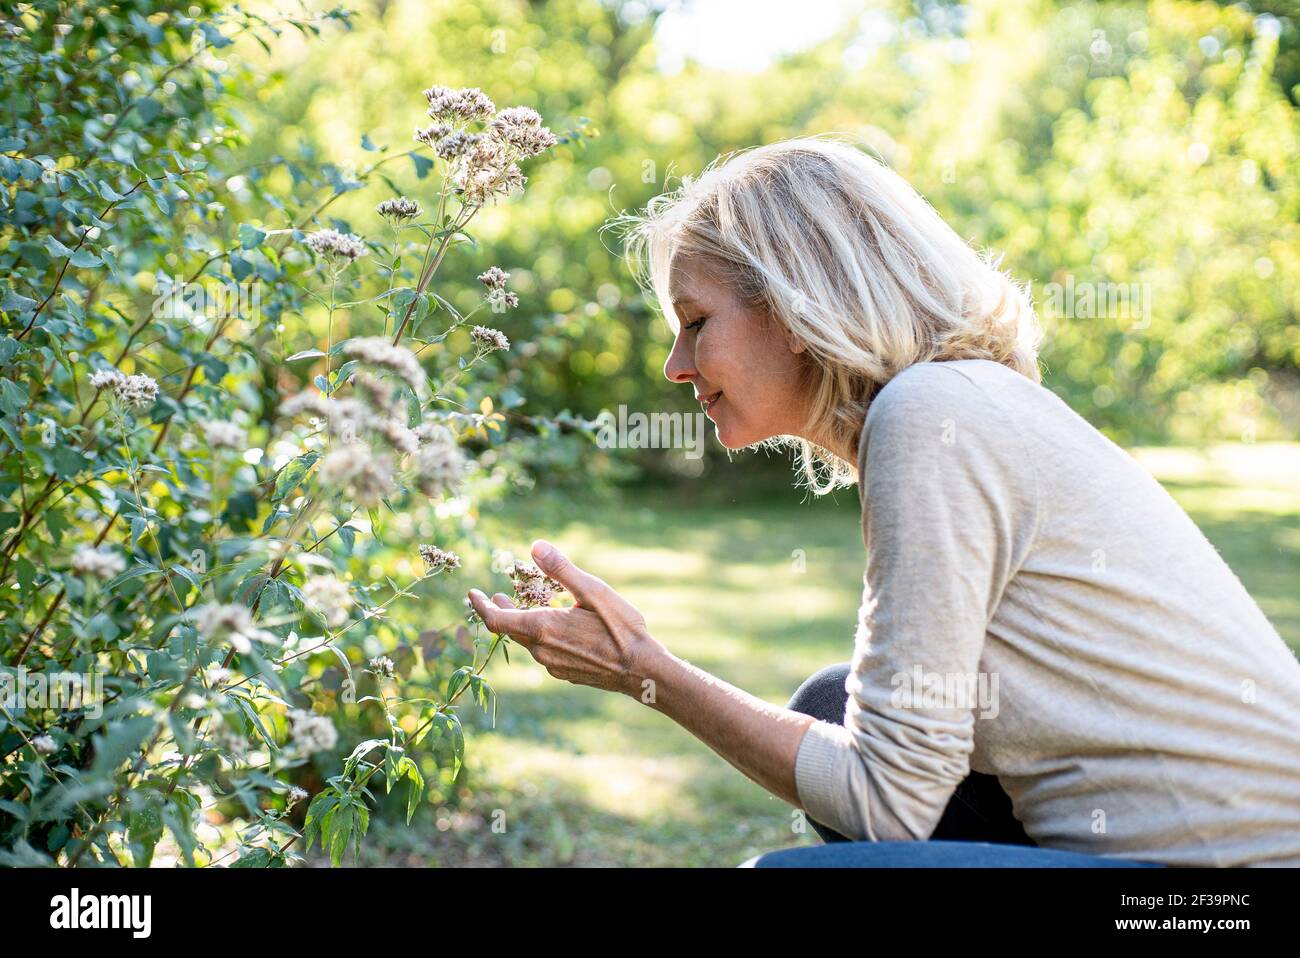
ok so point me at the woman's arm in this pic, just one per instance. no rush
(603, 642)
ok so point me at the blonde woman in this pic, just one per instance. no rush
(1052, 664)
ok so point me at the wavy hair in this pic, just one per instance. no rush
(852, 261)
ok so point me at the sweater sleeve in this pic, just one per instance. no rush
(950, 505)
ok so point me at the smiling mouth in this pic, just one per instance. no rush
(708, 401)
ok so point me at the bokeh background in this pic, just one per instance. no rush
(1149, 150)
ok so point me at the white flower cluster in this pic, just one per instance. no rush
(337, 249)
(138, 391)
(310, 732)
(488, 339)
(224, 435)
(439, 463)
(483, 165)
(328, 596)
(382, 665)
(230, 623)
(97, 563)
(438, 560)
(379, 352)
(398, 210)
(533, 587)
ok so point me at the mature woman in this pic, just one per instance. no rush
(1050, 656)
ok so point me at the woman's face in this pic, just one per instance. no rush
(743, 366)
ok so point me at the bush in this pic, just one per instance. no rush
(233, 447)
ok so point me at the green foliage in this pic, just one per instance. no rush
(227, 425)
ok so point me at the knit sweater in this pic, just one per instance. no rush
(1037, 607)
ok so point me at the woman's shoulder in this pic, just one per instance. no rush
(961, 386)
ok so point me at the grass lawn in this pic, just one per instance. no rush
(760, 593)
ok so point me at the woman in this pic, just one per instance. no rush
(1049, 653)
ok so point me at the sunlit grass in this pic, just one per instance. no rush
(582, 777)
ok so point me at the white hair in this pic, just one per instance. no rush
(852, 261)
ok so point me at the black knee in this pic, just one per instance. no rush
(822, 695)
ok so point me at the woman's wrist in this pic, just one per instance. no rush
(648, 666)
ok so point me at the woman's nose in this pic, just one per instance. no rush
(680, 365)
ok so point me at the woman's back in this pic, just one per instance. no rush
(1136, 700)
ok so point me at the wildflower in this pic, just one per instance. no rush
(533, 587)
(494, 278)
(106, 378)
(398, 210)
(337, 249)
(354, 466)
(378, 351)
(215, 675)
(232, 623)
(311, 733)
(328, 596)
(430, 136)
(382, 665)
(439, 463)
(295, 796)
(457, 144)
(488, 339)
(139, 391)
(438, 560)
(45, 744)
(224, 435)
(501, 300)
(521, 127)
(97, 563)
(451, 105)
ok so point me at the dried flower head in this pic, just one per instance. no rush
(229, 623)
(329, 597)
(488, 339)
(106, 379)
(295, 796)
(430, 135)
(438, 560)
(382, 665)
(439, 464)
(356, 468)
(502, 299)
(224, 435)
(533, 587)
(494, 278)
(521, 128)
(337, 249)
(139, 391)
(310, 732)
(377, 351)
(457, 144)
(398, 210)
(96, 563)
(462, 105)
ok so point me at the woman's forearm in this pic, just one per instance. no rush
(758, 738)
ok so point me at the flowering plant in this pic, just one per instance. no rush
(192, 514)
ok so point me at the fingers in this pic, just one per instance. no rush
(589, 590)
(501, 617)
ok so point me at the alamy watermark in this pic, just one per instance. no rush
(656, 430)
(21, 689)
(1088, 300)
(919, 689)
(177, 299)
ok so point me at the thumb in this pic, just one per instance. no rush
(589, 590)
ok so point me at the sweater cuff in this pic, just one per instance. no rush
(815, 780)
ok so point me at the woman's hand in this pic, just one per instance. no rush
(602, 641)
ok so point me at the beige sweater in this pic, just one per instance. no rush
(1037, 607)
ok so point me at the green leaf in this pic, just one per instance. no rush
(250, 237)
(122, 740)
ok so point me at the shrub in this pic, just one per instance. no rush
(216, 435)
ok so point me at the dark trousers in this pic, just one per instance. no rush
(979, 810)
